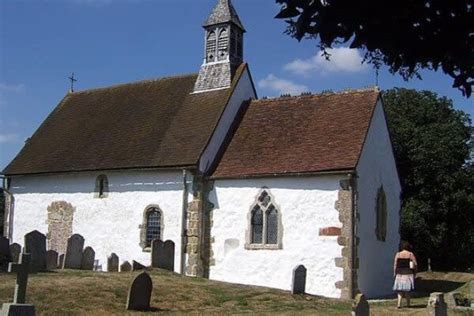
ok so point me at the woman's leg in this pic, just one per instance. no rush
(407, 296)
(399, 303)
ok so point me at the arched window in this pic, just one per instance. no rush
(381, 215)
(211, 46)
(223, 44)
(101, 186)
(265, 223)
(151, 227)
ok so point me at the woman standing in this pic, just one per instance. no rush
(404, 270)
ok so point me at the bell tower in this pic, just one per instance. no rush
(224, 37)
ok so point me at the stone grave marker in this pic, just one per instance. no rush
(436, 305)
(137, 266)
(162, 254)
(88, 257)
(112, 263)
(4, 253)
(61, 261)
(51, 260)
(360, 306)
(35, 245)
(73, 257)
(139, 294)
(125, 267)
(299, 280)
(15, 251)
(19, 306)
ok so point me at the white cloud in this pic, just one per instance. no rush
(282, 86)
(12, 87)
(342, 59)
(9, 138)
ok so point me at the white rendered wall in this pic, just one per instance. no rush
(243, 91)
(110, 224)
(306, 205)
(377, 167)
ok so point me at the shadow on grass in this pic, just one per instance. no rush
(426, 286)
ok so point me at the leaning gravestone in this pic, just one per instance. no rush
(360, 306)
(4, 253)
(162, 254)
(88, 257)
(15, 251)
(73, 257)
(112, 263)
(18, 307)
(51, 260)
(125, 267)
(137, 266)
(35, 245)
(139, 294)
(299, 280)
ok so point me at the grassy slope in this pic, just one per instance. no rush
(89, 293)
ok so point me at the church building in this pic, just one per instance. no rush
(246, 189)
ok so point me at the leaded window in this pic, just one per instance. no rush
(381, 215)
(153, 225)
(265, 223)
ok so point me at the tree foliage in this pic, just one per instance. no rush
(430, 141)
(405, 35)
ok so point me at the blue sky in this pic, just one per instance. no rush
(107, 42)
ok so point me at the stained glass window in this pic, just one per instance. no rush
(153, 225)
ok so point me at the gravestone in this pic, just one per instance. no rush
(4, 253)
(61, 261)
(73, 257)
(88, 257)
(19, 306)
(299, 280)
(360, 306)
(162, 254)
(139, 294)
(436, 305)
(15, 251)
(137, 266)
(112, 263)
(51, 260)
(125, 267)
(35, 245)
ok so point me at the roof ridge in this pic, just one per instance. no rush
(119, 85)
(323, 93)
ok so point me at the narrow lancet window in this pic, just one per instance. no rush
(153, 225)
(101, 186)
(257, 225)
(211, 46)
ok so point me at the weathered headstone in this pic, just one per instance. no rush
(51, 260)
(162, 254)
(35, 245)
(4, 253)
(112, 263)
(360, 306)
(15, 251)
(137, 266)
(139, 294)
(88, 257)
(61, 261)
(299, 280)
(125, 267)
(436, 305)
(73, 257)
(18, 307)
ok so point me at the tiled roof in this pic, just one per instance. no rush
(224, 12)
(304, 134)
(146, 124)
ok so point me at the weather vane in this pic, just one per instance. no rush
(72, 82)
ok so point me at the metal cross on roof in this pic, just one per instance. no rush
(72, 82)
(21, 270)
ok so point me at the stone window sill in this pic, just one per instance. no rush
(263, 246)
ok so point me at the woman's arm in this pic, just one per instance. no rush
(395, 264)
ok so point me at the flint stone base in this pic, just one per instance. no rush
(12, 309)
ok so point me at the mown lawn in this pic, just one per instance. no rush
(72, 292)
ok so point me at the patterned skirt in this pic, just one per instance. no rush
(404, 283)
